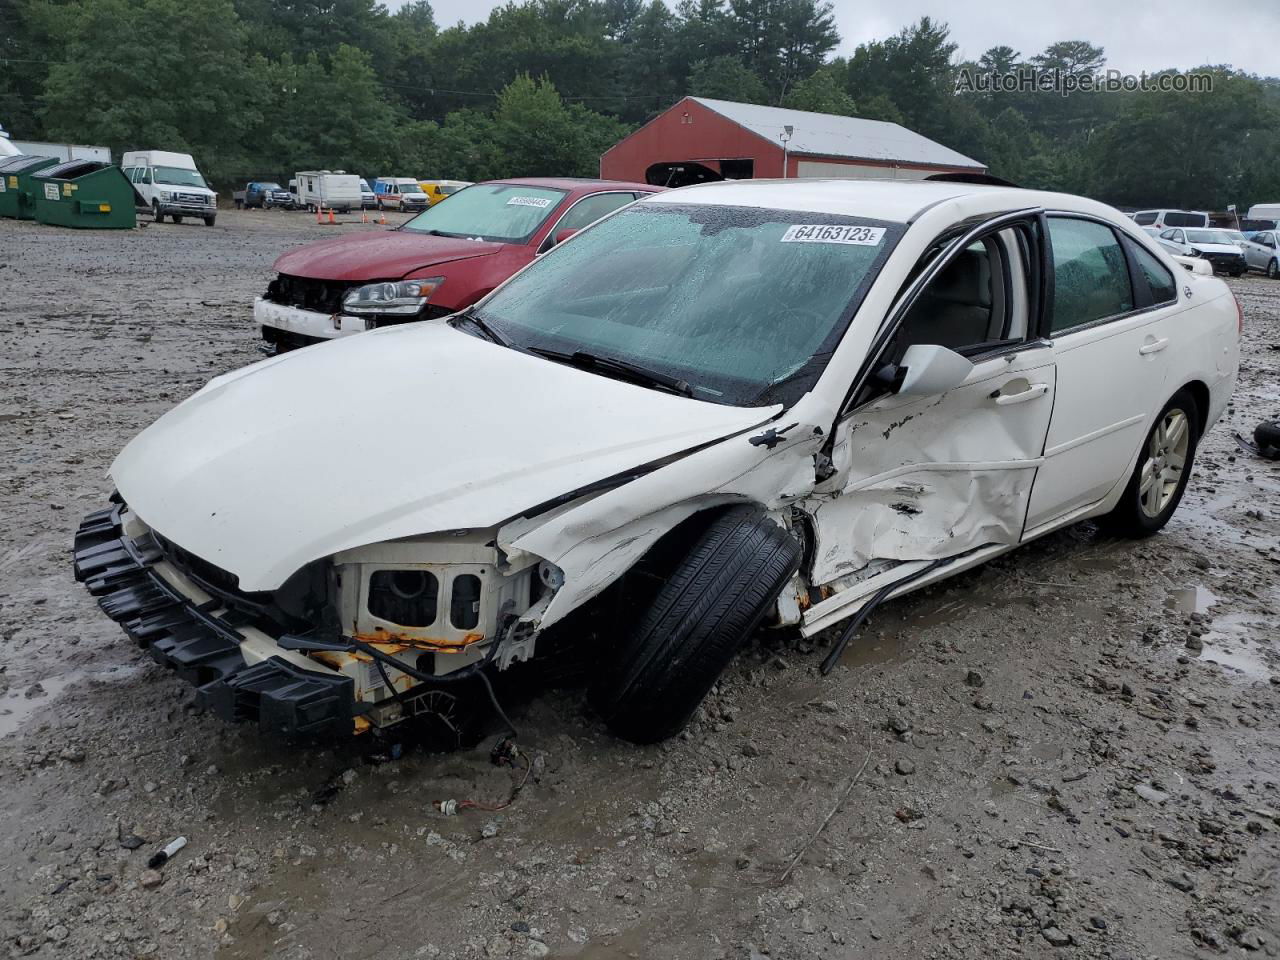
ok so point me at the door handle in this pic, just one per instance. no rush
(1153, 346)
(1033, 391)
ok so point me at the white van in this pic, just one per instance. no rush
(1264, 211)
(170, 184)
(1171, 218)
(327, 190)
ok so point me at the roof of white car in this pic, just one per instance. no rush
(896, 201)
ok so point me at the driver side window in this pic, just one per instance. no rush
(979, 301)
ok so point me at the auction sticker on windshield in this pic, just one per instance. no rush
(826, 233)
(528, 202)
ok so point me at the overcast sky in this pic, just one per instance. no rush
(1137, 35)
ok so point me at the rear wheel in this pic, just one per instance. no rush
(1164, 465)
(711, 596)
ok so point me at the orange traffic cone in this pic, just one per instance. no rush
(382, 217)
(319, 211)
(331, 220)
(364, 217)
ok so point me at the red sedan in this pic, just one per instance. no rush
(441, 261)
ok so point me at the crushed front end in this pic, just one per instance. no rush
(358, 641)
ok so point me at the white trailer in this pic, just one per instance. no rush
(327, 190)
(64, 151)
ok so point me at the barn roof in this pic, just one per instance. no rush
(828, 135)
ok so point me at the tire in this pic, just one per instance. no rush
(177, 218)
(155, 211)
(711, 598)
(1267, 434)
(210, 221)
(1140, 513)
(1273, 269)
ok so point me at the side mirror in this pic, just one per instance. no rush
(563, 235)
(930, 369)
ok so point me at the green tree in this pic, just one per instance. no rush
(726, 78)
(194, 92)
(821, 93)
(536, 134)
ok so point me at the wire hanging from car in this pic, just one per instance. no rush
(832, 658)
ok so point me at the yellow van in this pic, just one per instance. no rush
(437, 190)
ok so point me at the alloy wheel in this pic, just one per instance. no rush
(1166, 459)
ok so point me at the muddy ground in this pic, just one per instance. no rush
(1072, 751)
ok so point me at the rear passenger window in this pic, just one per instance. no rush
(1091, 276)
(590, 209)
(1163, 287)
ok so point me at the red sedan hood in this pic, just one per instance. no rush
(378, 255)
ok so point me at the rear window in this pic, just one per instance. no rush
(1176, 218)
(1145, 219)
(1163, 287)
(1091, 275)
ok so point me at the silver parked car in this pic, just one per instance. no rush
(1260, 253)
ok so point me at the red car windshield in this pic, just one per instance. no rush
(498, 212)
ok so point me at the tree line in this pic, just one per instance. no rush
(260, 88)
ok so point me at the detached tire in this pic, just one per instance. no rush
(710, 600)
(1164, 466)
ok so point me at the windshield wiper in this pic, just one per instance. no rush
(632, 372)
(487, 330)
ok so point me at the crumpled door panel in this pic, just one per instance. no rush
(923, 478)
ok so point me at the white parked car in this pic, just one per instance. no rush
(1217, 247)
(1261, 254)
(734, 404)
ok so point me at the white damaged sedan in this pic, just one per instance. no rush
(724, 406)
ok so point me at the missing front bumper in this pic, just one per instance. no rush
(200, 643)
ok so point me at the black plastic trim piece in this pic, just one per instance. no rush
(201, 647)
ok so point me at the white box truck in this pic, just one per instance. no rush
(64, 151)
(170, 184)
(327, 190)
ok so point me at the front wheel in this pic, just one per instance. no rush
(209, 221)
(711, 596)
(1273, 269)
(155, 211)
(1164, 466)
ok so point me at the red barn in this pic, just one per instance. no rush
(701, 139)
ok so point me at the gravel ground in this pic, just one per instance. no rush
(1072, 751)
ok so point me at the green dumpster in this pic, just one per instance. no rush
(16, 189)
(88, 194)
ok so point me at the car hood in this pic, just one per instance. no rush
(1215, 247)
(378, 255)
(393, 433)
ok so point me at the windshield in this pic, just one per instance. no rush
(270, 186)
(744, 304)
(364, 186)
(407, 188)
(179, 177)
(447, 189)
(1208, 236)
(501, 212)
